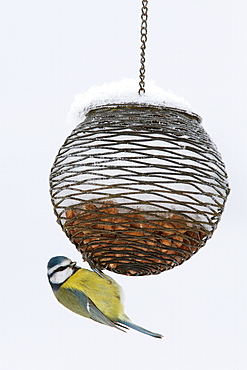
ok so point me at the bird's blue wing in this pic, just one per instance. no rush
(93, 311)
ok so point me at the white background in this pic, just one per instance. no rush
(52, 50)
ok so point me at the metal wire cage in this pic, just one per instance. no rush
(138, 189)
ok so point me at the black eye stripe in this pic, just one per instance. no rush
(61, 268)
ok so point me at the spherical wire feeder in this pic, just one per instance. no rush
(138, 188)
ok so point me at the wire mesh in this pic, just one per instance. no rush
(138, 189)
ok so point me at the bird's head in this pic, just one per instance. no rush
(59, 269)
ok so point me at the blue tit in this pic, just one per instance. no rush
(92, 295)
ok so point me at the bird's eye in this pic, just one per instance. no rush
(61, 268)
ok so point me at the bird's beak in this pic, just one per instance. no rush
(73, 264)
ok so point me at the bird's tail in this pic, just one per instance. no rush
(131, 325)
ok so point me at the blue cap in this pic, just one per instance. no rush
(56, 261)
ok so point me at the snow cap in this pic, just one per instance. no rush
(122, 92)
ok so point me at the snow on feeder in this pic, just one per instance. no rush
(138, 186)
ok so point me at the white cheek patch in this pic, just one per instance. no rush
(59, 277)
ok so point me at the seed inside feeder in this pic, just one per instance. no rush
(112, 238)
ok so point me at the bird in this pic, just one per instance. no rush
(89, 294)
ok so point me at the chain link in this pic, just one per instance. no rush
(144, 18)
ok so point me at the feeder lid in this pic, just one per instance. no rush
(122, 92)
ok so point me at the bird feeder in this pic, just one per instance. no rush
(138, 188)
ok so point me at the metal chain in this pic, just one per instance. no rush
(144, 18)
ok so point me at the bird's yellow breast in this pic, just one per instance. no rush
(104, 292)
